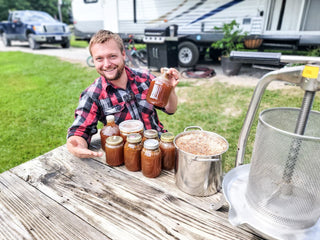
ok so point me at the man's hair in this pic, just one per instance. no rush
(103, 36)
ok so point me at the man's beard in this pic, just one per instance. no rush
(118, 74)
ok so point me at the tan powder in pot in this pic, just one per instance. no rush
(201, 143)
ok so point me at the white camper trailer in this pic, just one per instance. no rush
(291, 23)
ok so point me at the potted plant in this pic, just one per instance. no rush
(232, 40)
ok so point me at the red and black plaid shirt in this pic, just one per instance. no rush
(102, 98)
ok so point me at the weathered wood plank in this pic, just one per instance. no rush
(26, 213)
(166, 182)
(120, 205)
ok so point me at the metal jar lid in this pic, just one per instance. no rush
(167, 137)
(150, 133)
(134, 138)
(131, 126)
(114, 140)
(151, 144)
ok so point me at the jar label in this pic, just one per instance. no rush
(155, 91)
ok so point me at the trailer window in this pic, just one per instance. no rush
(90, 1)
(311, 16)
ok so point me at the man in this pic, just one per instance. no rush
(119, 91)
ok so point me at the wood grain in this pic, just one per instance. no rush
(26, 213)
(123, 204)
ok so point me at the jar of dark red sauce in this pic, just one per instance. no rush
(151, 158)
(168, 151)
(110, 129)
(130, 126)
(160, 89)
(150, 134)
(132, 152)
(114, 151)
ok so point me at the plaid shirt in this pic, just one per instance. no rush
(102, 98)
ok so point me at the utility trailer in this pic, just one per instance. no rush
(280, 23)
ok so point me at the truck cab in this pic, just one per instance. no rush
(36, 27)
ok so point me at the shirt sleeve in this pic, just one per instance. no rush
(86, 118)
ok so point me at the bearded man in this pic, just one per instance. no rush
(119, 91)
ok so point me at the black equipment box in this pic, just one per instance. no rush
(162, 46)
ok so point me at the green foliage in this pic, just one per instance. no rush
(232, 39)
(314, 52)
(49, 6)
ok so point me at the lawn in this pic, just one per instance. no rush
(38, 98)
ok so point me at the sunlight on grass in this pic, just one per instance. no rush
(38, 99)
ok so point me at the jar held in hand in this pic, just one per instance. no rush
(159, 90)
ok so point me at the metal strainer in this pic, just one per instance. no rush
(278, 194)
(294, 203)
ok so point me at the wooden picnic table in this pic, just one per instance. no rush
(59, 196)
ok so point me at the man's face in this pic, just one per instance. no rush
(108, 59)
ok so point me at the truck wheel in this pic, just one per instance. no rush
(65, 44)
(188, 54)
(32, 43)
(5, 40)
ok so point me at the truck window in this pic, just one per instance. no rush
(16, 17)
(35, 16)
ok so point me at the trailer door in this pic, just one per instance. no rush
(311, 16)
(284, 15)
(292, 16)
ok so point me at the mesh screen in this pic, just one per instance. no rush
(284, 176)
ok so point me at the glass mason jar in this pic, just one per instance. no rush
(114, 151)
(150, 134)
(132, 152)
(130, 126)
(168, 151)
(160, 89)
(151, 158)
(110, 129)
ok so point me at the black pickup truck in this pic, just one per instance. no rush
(36, 27)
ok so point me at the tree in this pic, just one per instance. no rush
(49, 6)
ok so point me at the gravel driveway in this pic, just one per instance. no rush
(248, 76)
(77, 55)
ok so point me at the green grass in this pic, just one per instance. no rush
(38, 99)
(37, 103)
(78, 43)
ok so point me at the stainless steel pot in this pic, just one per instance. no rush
(198, 175)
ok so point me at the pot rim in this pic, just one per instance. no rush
(206, 132)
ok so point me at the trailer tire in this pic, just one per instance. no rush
(5, 40)
(188, 54)
(32, 43)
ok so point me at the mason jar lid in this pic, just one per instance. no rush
(167, 137)
(134, 138)
(110, 118)
(131, 126)
(114, 140)
(151, 144)
(150, 133)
